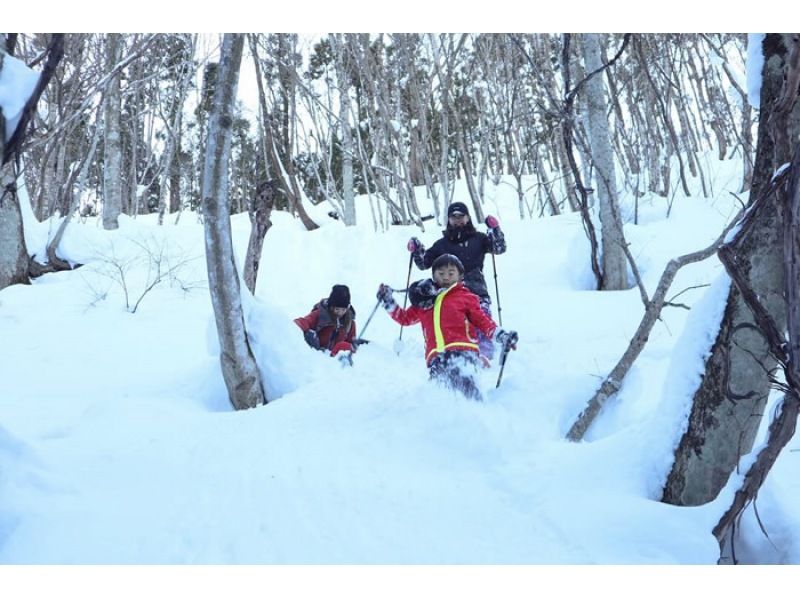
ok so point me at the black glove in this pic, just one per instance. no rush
(506, 338)
(311, 338)
(384, 295)
(423, 293)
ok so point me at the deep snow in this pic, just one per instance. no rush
(118, 444)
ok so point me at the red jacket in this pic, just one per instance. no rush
(449, 324)
(321, 320)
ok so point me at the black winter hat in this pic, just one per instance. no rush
(339, 297)
(447, 259)
(457, 208)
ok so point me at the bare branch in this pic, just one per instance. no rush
(613, 381)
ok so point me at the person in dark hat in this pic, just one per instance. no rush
(470, 246)
(331, 325)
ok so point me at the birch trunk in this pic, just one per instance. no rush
(615, 268)
(348, 198)
(239, 368)
(112, 171)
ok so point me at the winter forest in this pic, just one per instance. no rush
(172, 203)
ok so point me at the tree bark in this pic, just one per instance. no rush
(728, 406)
(615, 268)
(783, 426)
(13, 252)
(342, 77)
(239, 368)
(260, 210)
(112, 170)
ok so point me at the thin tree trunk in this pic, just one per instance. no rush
(112, 171)
(260, 210)
(615, 268)
(239, 368)
(342, 77)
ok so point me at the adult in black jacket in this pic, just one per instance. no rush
(462, 240)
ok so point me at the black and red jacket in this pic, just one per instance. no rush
(329, 330)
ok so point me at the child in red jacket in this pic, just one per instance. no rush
(449, 314)
(331, 325)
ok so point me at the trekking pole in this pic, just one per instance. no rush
(369, 319)
(497, 294)
(503, 357)
(405, 301)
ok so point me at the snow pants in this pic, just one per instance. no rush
(457, 370)
(485, 344)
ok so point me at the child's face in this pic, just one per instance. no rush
(446, 276)
(339, 311)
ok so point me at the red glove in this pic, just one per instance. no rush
(413, 245)
(492, 222)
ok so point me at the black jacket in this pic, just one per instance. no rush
(470, 246)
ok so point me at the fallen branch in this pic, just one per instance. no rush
(612, 383)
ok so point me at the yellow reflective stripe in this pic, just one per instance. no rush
(448, 346)
(461, 344)
(437, 320)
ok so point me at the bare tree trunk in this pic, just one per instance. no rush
(260, 210)
(783, 426)
(615, 267)
(239, 367)
(288, 183)
(342, 77)
(74, 204)
(728, 406)
(13, 252)
(173, 121)
(112, 171)
(175, 178)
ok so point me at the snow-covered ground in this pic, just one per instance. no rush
(118, 444)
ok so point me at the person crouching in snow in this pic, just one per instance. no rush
(331, 325)
(449, 314)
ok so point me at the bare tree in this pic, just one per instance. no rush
(343, 81)
(727, 407)
(239, 367)
(615, 268)
(259, 210)
(13, 252)
(786, 186)
(112, 171)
